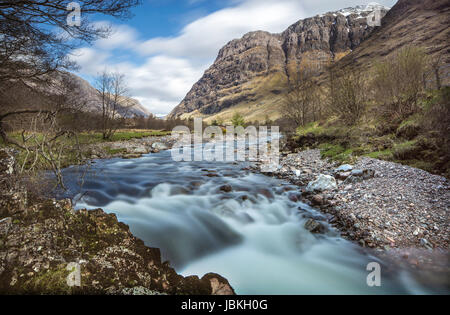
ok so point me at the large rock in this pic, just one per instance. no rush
(322, 183)
(159, 146)
(109, 258)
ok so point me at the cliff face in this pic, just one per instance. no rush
(249, 69)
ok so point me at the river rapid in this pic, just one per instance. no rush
(253, 235)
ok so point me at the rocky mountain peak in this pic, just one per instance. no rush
(244, 66)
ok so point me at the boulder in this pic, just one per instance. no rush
(226, 188)
(358, 173)
(313, 226)
(159, 146)
(322, 182)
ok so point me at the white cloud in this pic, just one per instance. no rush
(160, 71)
(121, 35)
(203, 38)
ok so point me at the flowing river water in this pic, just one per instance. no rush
(253, 235)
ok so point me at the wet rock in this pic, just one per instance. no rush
(219, 285)
(322, 183)
(110, 258)
(159, 146)
(266, 193)
(293, 197)
(211, 175)
(313, 226)
(131, 156)
(226, 188)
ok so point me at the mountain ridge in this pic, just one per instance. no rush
(245, 67)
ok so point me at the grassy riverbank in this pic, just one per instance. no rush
(70, 154)
(419, 140)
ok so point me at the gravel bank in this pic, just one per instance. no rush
(396, 207)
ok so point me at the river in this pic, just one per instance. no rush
(253, 235)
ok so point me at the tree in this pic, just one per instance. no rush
(347, 94)
(399, 81)
(44, 139)
(112, 90)
(301, 97)
(36, 38)
(238, 120)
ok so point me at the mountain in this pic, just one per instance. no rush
(423, 23)
(248, 72)
(88, 94)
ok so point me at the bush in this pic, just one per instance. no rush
(409, 129)
(399, 81)
(238, 120)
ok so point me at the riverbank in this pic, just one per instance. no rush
(377, 203)
(400, 212)
(43, 242)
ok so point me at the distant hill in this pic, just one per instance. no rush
(87, 93)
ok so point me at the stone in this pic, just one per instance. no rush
(368, 174)
(226, 188)
(159, 146)
(322, 183)
(357, 173)
(131, 156)
(344, 168)
(313, 226)
(353, 179)
(318, 200)
(343, 175)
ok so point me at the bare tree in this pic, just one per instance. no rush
(112, 90)
(399, 81)
(36, 38)
(301, 97)
(348, 95)
(39, 132)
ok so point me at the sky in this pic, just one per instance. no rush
(168, 44)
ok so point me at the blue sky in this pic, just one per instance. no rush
(168, 44)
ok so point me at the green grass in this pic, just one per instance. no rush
(336, 152)
(96, 137)
(70, 155)
(313, 128)
(381, 155)
(112, 151)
